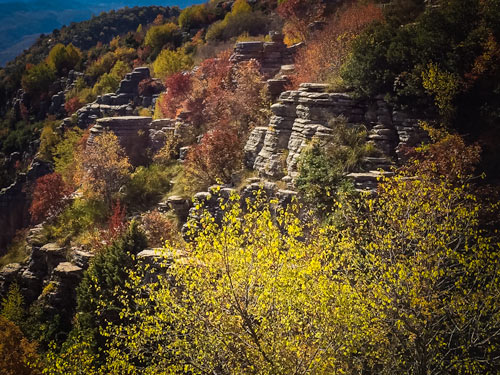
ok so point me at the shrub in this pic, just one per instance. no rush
(323, 166)
(38, 79)
(150, 87)
(64, 155)
(98, 301)
(13, 305)
(72, 105)
(158, 228)
(48, 197)
(327, 51)
(62, 59)
(216, 157)
(240, 20)
(49, 138)
(104, 167)
(147, 186)
(193, 17)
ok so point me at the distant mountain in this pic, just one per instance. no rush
(21, 22)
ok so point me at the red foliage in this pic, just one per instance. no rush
(217, 156)
(48, 197)
(73, 105)
(216, 93)
(179, 86)
(116, 224)
(328, 50)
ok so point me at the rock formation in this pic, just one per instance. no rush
(310, 112)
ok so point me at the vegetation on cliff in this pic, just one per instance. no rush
(402, 279)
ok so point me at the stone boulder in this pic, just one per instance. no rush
(132, 132)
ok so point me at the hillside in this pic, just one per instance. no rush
(265, 187)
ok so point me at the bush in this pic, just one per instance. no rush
(147, 186)
(104, 167)
(72, 105)
(48, 197)
(327, 51)
(158, 228)
(38, 79)
(323, 166)
(49, 138)
(107, 278)
(240, 20)
(215, 158)
(62, 59)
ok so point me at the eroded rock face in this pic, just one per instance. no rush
(270, 55)
(300, 116)
(132, 132)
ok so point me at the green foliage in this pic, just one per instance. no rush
(49, 138)
(323, 166)
(162, 36)
(64, 154)
(169, 62)
(240, 20)
(13, 305)
(62, 59)
(438, 59)
(20, 136)
(37, 79)
(102, 292)
(82, 215)
(147, 186)
(45, 326)
(193, 17)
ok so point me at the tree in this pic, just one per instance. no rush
(160, 36)
(216, 157)
(405, 283)
(48, 197)
(327, 50)
(12, 305)
(17, 355)
(37, 80)
(100, 295)
(170, 62)
(104, 167)
(63, 58)
(323, 165)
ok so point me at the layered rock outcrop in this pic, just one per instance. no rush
(132, 133)
(310, 112)
(122, 103)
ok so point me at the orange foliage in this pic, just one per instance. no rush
(323, 56)
(216, 93)
(298, 14)
(448, 158)
(158, 228)
(73, 105)
(48, 197)
(17, 355)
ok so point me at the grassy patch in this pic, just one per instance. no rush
(16, 252)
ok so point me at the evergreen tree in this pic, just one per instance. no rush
(107, 277)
